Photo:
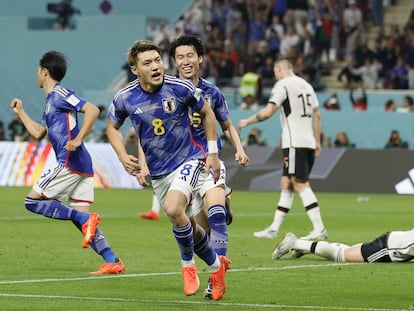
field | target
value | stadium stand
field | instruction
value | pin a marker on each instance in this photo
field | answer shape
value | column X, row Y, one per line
column 96, row 50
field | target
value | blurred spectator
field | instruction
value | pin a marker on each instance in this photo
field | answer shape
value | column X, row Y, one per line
column 409, row 25
column 17, row 130
column 387, row 56
column 257, row 29
column 254, row 138
column 289, row 39
column 407, row 104
column 353, row 25
column 195, row 19
column 266, row 73
column 377, row 10
column 390, row 106
column 398, row 76
column 273, row 41
column 215, row 42
column 249, row 103
column 280, row 8
column 161, row 35
column 363, row 52
column 2, row 131
column 237, row 32
column 332, row 103
column 359, row 103
column 158, row 33
column 65, row 12
column 219, row 11
column 352, row 80
column 409, row 59
column 226, row 69
column 311, row 72
column 259, row 56
column 300, row 8
column 395, row 141
column 276, row 26
column 233, row 55
column 342, row 140
column 369, row 73
column 324, row 32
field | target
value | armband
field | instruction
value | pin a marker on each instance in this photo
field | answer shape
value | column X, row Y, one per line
column 212, row 146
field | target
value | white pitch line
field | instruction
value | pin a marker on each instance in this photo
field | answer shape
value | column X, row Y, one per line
column 6, row 282
column 182, row 302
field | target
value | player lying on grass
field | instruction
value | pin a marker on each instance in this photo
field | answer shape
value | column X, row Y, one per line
column 392, row 246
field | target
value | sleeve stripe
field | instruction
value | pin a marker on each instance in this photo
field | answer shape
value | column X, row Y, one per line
column 127, row 88
column 186, row 83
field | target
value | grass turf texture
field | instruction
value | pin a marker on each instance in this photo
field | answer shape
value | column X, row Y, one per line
column 43, row 266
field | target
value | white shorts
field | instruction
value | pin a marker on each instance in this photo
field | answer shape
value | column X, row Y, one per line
column 187, row 178
column 198, row 205
column 60, row 183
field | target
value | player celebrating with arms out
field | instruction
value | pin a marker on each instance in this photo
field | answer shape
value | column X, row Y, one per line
column 301, row 129
column 209, row 208
column 157, row 105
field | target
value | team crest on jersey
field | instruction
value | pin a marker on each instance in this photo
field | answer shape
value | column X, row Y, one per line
column 169, row 105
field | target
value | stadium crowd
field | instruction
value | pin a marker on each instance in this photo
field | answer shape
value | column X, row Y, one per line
column 246, row 35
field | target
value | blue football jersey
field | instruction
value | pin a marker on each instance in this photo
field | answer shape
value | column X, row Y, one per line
column 162, row 122
column 215, row 99
column 61, row 119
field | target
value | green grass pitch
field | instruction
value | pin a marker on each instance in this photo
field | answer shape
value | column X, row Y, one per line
column 44, row 267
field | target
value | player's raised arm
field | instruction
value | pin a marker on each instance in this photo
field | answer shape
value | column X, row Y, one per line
column 35, row 129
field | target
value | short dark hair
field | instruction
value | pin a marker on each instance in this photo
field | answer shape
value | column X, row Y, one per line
column 141, row 46
column 192, row 40
column 55, row 62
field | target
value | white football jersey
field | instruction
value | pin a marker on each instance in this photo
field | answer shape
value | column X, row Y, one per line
column 297, row 100
column 401, row 245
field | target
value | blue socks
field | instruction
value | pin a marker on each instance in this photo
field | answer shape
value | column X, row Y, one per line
column 55, row 209
column 203, row 249
column 185, row 241
column 101, row 246
column 219, row 236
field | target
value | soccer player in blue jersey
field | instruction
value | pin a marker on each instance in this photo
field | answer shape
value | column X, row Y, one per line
column 209, row 210
column 158, row 106
column 72, row 177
